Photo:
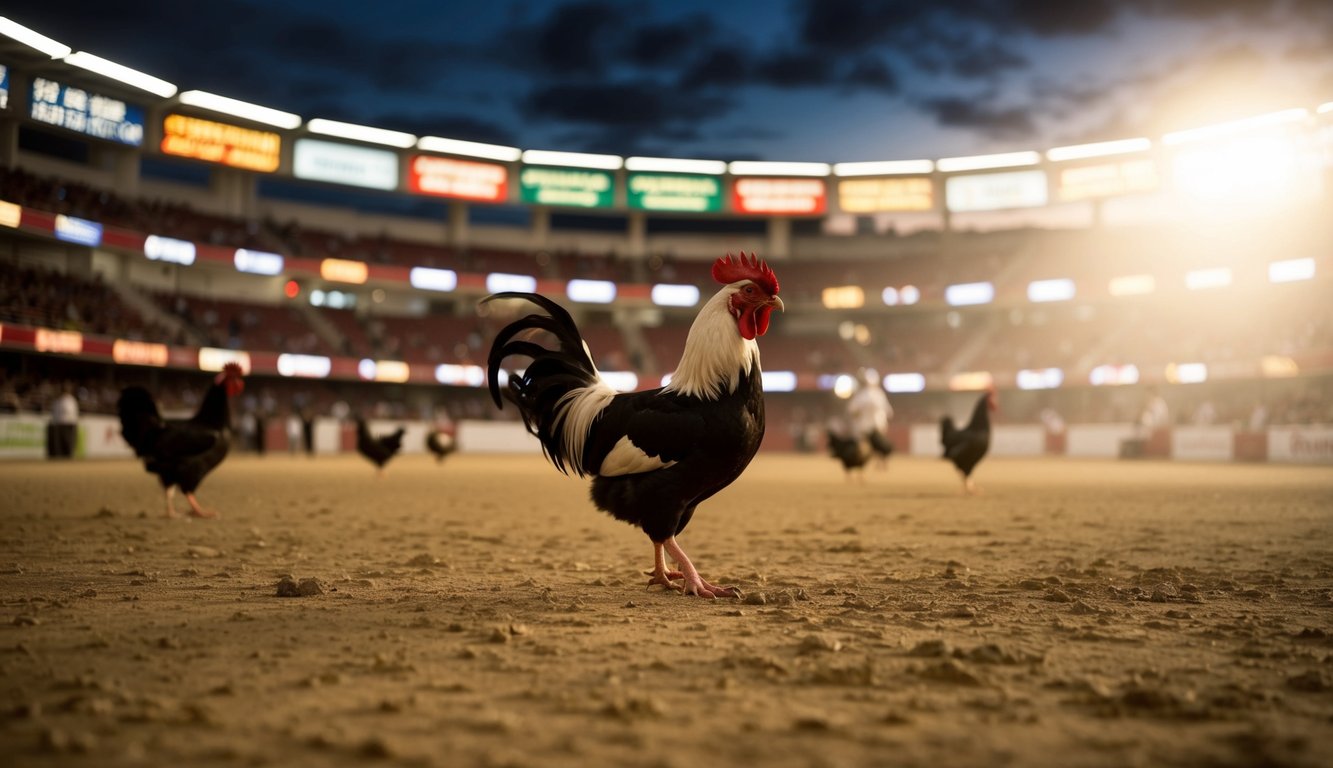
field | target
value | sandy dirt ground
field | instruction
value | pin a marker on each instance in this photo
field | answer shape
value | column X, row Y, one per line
column 482, row 613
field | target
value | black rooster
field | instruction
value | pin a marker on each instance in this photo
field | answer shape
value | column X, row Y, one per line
column 853, row 453
column 441, row 444
column 181, row 452
column 653, row 455
column 966, row 447
column 378, row 449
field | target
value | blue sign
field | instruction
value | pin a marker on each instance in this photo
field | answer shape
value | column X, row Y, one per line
column 81, row 231
column 4, row 87
column 92, row 114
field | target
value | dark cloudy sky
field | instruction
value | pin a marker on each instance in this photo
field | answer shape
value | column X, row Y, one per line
column 828, row 80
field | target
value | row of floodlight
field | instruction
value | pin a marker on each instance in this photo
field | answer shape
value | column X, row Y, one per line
column 402, row 140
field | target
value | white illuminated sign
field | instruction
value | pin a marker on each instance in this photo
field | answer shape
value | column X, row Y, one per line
column 1114, row 375
column 620, row 381
column 591, row 291
column 304, row 366
column 428, row 279
column 1040, row 378
column 345, row 164
column 460, row 375
column 214, row 358
column 779, row 381
column 169, row 249
column 1051, row 290
column 905, row 382
column 996, row 191
column 500, row 282
column 257, row 262
column 963, row 294
column 1290, row 271
column 667, row 295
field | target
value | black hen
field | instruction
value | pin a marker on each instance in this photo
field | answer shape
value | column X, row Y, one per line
column 967, row 447
column 654, row 455
column 853, row 453
column 441, row 444
column 181, row 452
column 378, row 449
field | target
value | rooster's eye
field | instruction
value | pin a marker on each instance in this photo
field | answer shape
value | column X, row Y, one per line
column 749, row 289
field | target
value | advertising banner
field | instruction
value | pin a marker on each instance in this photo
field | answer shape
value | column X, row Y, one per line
column 91, row 114
column 221, row 143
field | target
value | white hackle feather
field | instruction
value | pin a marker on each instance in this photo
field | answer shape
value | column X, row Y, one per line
column 715, row 352
column 626, row 458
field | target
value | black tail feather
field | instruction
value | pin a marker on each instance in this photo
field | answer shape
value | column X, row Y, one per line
column 140, row 421
column 551, row 374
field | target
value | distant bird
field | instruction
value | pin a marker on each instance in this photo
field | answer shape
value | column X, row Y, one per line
column 881, row 446
column 653, row 455
column 967, row 447
column 378, row 449
column 441, row 444
column 181, row 452
column 854, row 453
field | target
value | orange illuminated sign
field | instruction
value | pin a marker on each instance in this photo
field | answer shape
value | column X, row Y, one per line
column 221, row 143
column 10, row 214
column 344, row 271
column 64, row 342
column 1107, row 179
column 442, row 176
column 139, row 353
column 883, row 195
column 790, row 196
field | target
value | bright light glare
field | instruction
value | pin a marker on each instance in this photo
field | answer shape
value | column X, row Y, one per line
column 779, row 381
column 1132, row 285
column 241, row 109
column 591, row 291
column 499, row 282
column 971, row 381
column 909, row 294
column 1202, row 279
column 1099, row 149
column 1187, row 373
column 667, row 295
column 1061, row 289
column 981, row 162
column 572, row 159
column 469, row 148
column 844, row 386
column 963, row 294
column 124, row 74
column 890, row 296
column 460, row 375
column 843, row 297
column 1290, row 271
column 46, row 45
column 1218, row 130
column 1114, row 375
column 675, row 165
column 884, row 168
column 430, row 279
column 753, row 168
column 1040, row 378
column 620, row 381
column 361, row 133
column 905, row 382
column 1243, row 172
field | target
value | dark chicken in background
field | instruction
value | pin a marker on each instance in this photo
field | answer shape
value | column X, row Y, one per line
column 181, row 452
column 852, row 452
column 441, row 444
column 968, row 446
column 653, row 455
column 378, row 449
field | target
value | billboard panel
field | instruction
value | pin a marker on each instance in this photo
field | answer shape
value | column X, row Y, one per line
column 464, row 179
column 1109, row 179
column 91, row 114
column 886, row 195
column 221, row 143
column 781, row 196
column 995, row 191
column 577, row 187
column 345, row 164
column 674, row 192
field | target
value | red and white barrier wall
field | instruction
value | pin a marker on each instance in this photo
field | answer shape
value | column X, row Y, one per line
column 23, row 436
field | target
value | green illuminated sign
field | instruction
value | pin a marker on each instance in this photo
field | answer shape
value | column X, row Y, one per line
column 675, row 192
column 577, row 187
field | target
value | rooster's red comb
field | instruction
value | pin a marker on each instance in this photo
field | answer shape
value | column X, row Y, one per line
column 233, row 370
column 725, row 271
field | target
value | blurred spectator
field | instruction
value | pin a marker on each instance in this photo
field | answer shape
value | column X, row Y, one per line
column 62, row 433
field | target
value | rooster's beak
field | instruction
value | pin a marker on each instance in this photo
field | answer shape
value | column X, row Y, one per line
column 776, row 301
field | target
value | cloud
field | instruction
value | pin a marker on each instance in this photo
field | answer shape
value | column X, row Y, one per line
column 976, row 115
column 624, row 114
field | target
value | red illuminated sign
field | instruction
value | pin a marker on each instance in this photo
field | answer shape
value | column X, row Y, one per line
column 445, row 177
column 783, row 196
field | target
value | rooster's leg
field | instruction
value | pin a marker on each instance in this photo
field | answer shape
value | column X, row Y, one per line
column 660, row 574
column 195, row 509
column 694, row 583
column 969, row 487
column 171, row 508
